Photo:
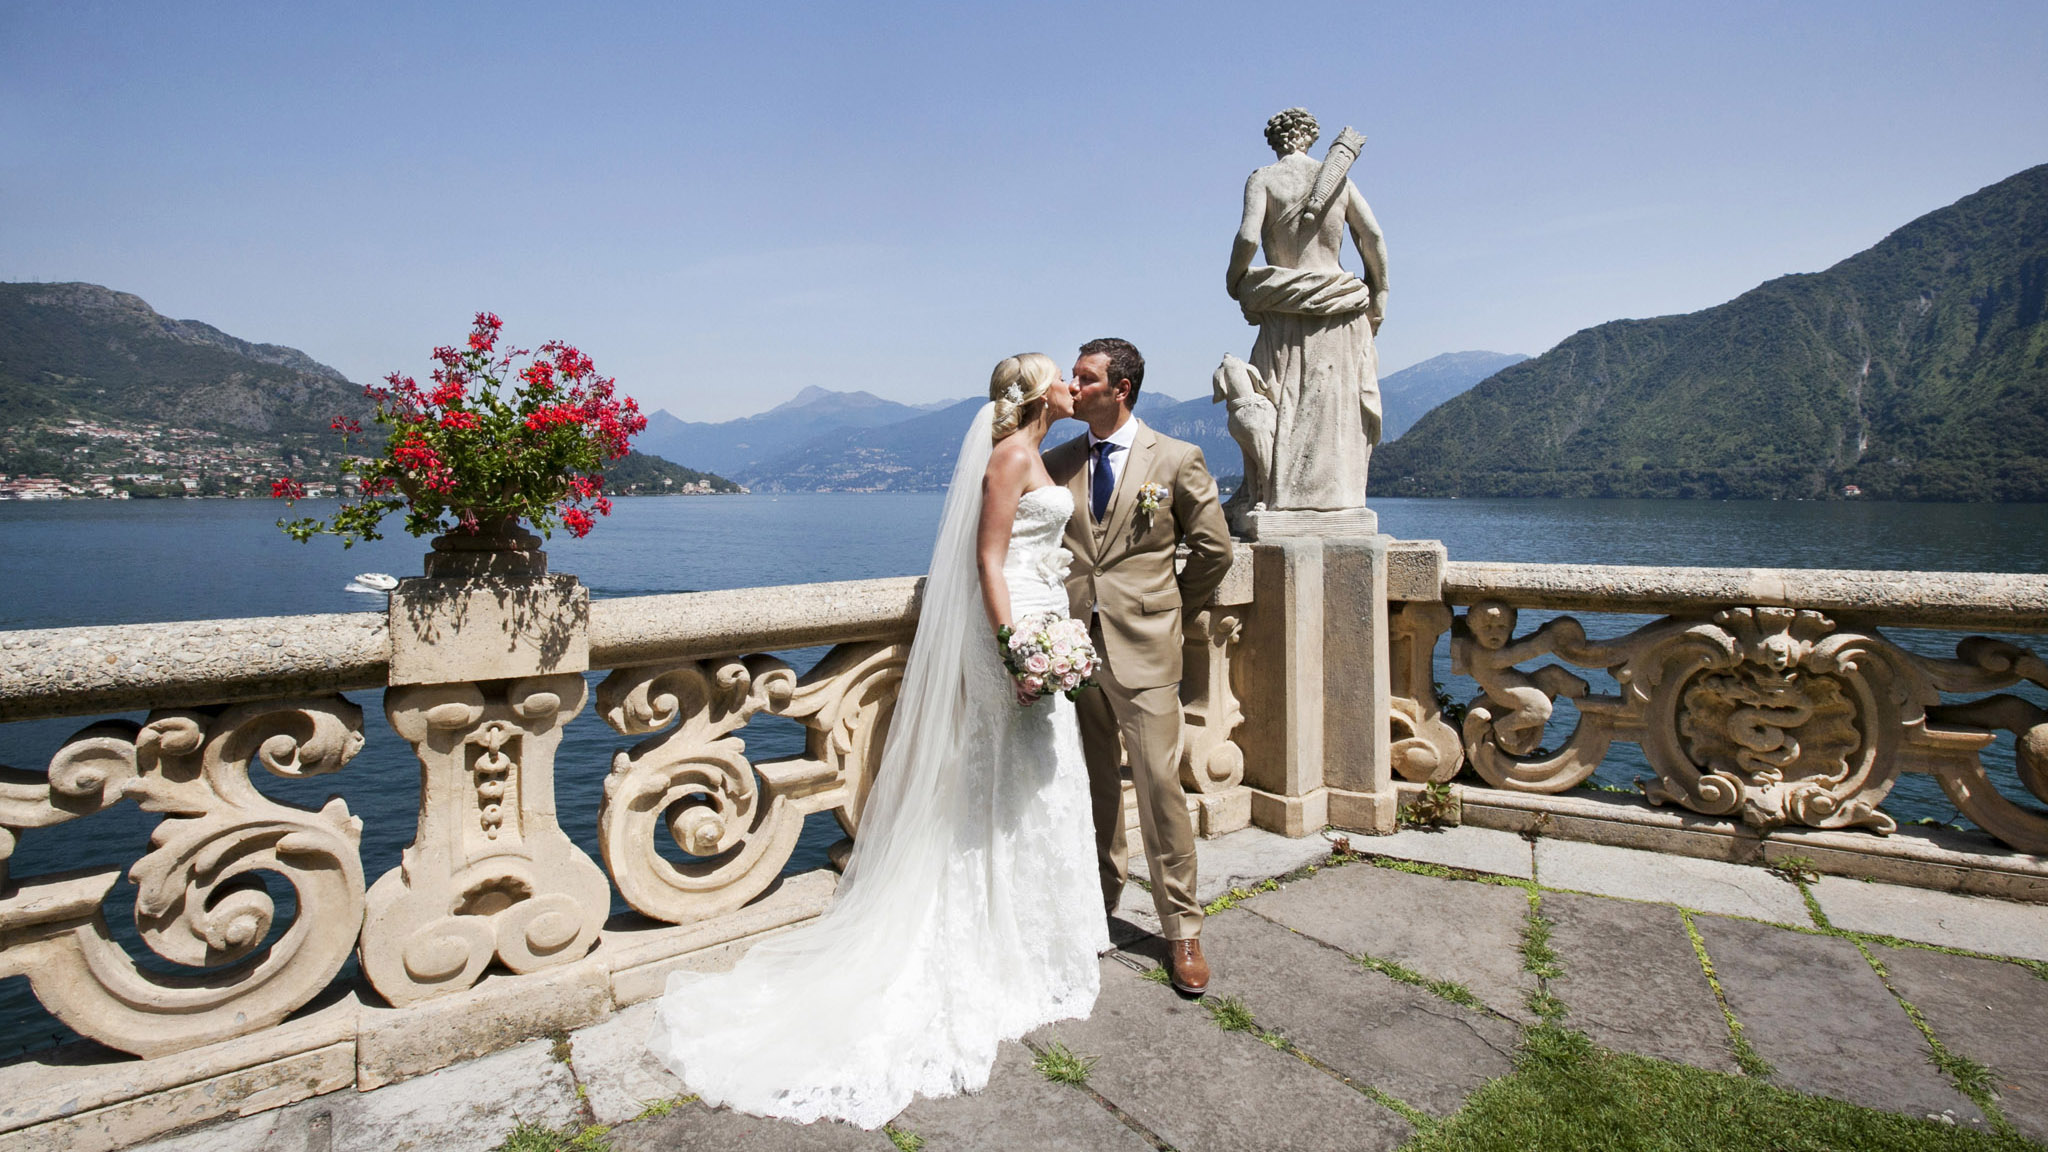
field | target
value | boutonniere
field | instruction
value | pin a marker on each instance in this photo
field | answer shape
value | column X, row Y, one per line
column 1150, row 497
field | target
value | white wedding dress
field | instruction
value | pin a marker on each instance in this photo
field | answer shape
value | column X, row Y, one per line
column 970, row 912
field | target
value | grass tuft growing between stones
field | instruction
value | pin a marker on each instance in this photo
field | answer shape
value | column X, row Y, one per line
column 1230, row 1013
column 1446, row 872
column 1157, row 975
column 1798, row 870
column 664, row 1106
column 903, row 1138
column 1450, row 990
column 1746, row 1057
column 1057, row 1063
column 1232, row 898
column 1537, row 954
column 1568, row 1094
column 527, row 1136
column 1545, row 1006
column 1422, row 1120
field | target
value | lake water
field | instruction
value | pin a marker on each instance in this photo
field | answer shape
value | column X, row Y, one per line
column 74, row 563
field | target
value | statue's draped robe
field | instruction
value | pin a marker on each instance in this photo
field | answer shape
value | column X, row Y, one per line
column 1315, row 353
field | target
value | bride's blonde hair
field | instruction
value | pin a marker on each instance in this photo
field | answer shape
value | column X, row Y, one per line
column 1017, row 384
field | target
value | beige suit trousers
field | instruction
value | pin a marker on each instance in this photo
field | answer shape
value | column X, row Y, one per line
column 1149, row 720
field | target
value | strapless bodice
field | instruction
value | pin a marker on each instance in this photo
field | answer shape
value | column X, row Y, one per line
column 1036, row 563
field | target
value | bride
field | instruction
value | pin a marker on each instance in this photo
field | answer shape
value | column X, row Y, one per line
column 970, row 912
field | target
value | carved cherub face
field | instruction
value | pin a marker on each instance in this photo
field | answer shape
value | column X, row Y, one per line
column 1492, row 624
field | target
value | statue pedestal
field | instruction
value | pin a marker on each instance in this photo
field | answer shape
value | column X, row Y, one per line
column 1287, row 524
column 1316, row 683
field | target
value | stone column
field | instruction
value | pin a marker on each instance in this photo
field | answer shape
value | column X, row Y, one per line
column 1316, row 685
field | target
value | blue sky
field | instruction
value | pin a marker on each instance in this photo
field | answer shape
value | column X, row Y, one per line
column 725, row 204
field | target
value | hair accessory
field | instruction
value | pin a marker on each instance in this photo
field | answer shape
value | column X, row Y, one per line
column 1013, row 394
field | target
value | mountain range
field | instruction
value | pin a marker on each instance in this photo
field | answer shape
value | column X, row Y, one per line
column 1916, row 369
column 853, row 441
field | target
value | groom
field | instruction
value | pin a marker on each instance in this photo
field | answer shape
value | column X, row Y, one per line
column 1138, row 495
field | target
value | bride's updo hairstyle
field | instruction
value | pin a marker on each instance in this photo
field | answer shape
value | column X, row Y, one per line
column 1018, row 386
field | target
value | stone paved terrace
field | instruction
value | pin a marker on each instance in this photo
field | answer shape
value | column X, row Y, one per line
column 1818, row 974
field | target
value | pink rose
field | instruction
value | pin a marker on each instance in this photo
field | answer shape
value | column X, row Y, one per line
column 1037, row 663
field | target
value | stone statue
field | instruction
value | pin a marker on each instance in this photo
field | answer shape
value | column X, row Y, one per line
column 1307, row 447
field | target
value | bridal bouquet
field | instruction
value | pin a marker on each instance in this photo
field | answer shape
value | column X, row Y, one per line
column 1047, row 652
column 485, row 443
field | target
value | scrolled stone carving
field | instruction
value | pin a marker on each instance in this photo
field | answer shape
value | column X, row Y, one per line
column 1951, row 742
column 490, row 874
column 846, row 702
column 1775, row 715
column 736, row 820
column 695, row 780
column 1210, row 761
column 1504, row 726
column 199, row 901
column 1424, row 747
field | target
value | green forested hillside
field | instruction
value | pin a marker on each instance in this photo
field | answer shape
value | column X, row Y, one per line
column 1915, row 370
column 85, row 352
column 638, row 474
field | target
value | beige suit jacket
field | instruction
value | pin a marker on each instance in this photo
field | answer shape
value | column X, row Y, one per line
column 1125, row 564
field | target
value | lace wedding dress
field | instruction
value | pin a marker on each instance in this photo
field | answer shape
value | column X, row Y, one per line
column 970, row 912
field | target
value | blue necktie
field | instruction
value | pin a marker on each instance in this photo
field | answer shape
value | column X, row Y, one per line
column 1105, row 480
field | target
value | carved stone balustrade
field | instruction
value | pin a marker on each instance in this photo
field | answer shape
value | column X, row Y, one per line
column 1772, row 697
column 1768, row 703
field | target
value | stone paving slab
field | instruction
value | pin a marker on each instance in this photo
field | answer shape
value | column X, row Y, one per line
column 1246, row 857
column 1978, row 923
column 1445, row 929
column 1812, row 1006
column 1633, row 874
column 1633, row 983
column 693, row 1126
column 1201, row 1089
column 1395, row 1037
column 617, row 1069
column 1990, row 1011
column 1019, row 1108
column 1465, row 846
column 468, row 1107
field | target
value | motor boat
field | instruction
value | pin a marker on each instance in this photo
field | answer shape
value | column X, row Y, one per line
column 372, row 582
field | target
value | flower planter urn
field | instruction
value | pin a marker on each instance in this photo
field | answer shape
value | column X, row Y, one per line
column 488, row 610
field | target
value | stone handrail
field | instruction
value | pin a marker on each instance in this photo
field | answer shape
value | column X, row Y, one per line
column 1767, row 696
column 97, row 670
column 1996, row 602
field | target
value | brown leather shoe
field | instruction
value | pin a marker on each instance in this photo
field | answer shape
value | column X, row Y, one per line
column 1189, row 972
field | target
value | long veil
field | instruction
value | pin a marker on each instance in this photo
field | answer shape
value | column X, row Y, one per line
column 842, row 1016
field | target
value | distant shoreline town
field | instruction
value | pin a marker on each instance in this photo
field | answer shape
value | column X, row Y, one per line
column 146, row 461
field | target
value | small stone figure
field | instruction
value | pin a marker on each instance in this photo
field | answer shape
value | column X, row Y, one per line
column 1518, row 702
column 1252, row 424
column 1314, row 360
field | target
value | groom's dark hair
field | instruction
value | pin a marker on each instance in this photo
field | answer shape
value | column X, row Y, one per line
column 1124, row 362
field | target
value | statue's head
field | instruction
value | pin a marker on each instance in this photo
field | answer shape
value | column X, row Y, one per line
column 1292, row 131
